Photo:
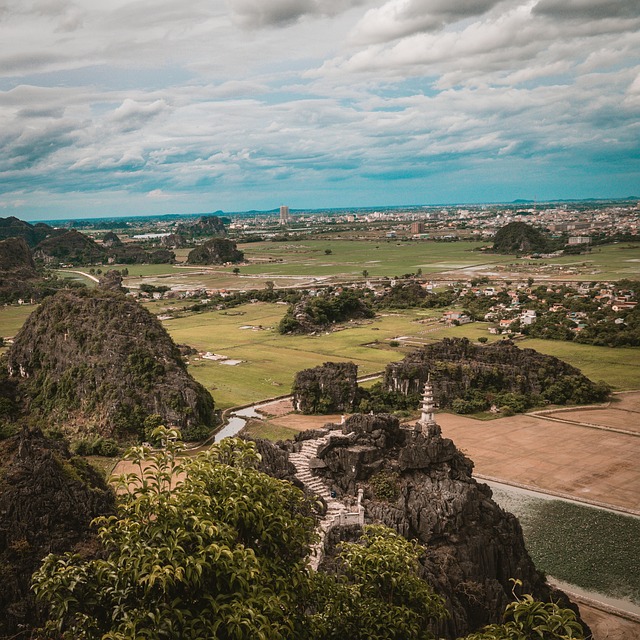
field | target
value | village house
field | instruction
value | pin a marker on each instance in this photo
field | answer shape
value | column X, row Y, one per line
column 451, row 318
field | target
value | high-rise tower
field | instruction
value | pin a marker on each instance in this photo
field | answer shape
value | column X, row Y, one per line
column 284, row 215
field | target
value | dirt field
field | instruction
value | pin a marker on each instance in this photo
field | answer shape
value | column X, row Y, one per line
column 606, row 626
column 592, row 464
column 622, row 413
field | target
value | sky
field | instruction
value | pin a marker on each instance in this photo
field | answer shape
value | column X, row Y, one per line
column 139, row 107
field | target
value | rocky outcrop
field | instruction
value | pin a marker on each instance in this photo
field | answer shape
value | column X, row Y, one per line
column 520, row 237
column 47, row 501
column 174, row 241
column 420, row 484
column 16, row 260
column 135, row 254
column 216, row 251
column 70, row 247
column 205, row 226
column 460, row 366
column 321, row 312
column 97, row 363
column 12, row 227
column 111, row 281
column 330, row 388
column 111, row 240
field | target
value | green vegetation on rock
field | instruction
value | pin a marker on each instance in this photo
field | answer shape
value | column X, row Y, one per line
column 520, row 237
column 97, row 364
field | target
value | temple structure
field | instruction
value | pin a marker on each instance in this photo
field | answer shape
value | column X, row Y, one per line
column 427, row 419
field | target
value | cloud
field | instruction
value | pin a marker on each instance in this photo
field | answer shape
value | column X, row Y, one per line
column 254, row 14
column 398, row 18
column 132, row 115
column 588, row 9
column 171, row 101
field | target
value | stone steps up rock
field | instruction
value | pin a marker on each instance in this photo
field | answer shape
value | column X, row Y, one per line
column 300, row 460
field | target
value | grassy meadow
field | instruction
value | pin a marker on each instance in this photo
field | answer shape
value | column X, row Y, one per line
column 304, row 262
column 269, row 361
column 13, row 317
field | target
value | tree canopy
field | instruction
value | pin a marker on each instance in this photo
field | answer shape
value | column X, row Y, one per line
column 210, row 547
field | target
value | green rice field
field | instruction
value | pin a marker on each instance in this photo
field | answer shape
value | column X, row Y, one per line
column 12, row 317
column 584, row 546
column 304, row 262
column 269, row 361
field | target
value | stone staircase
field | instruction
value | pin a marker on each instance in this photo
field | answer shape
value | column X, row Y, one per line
column 334, row 507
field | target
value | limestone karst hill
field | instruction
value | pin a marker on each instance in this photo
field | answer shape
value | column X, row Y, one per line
column 16, row 259
column 460, row 366
column 329, row 388
column 520, row 237
column 19, row 277
column 70, row 247
column 12, row 227
column 215, row 251
column 47, row 501
column 96, row 363
column 419, row 484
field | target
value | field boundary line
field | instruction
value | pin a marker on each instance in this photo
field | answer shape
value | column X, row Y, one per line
column 562, row 496
column 596, row 604
column 587, row 425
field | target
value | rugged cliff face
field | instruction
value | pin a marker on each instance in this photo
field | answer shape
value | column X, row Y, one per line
column 19, row 278
column 111, row 240
column 215, row 251
column 16, row 259
column 322, row 312
column 331, row 388
column 421, row 486
column 47, row 500
column 97, row 363
column 460, row 366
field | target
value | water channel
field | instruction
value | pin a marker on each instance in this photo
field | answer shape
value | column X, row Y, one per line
column 237, row 420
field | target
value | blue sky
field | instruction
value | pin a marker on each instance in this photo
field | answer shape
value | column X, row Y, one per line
column 157, row 106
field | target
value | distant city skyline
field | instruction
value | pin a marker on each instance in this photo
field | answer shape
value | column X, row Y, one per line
column 139, row 108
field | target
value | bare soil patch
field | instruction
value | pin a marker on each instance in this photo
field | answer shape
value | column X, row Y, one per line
column 614, row 417
column 561, row 458
column 302, row 423
column 606, row 626
column 276, row 409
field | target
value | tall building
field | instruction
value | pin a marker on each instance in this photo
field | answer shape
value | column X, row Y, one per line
column 417, row 227
column 284, row 214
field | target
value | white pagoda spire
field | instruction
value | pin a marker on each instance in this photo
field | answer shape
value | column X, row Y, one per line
column 427, row 418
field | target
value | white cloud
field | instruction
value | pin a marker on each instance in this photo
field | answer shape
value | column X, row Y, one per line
column 398, row 18
column 255, row 14
column 171, row 97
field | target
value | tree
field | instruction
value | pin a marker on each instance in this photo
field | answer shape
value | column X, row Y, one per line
column 378, row 593
column 526, row 618
column 236, row 270
column 219, row 552
column 327, row 252
column 365, row 273
column 210, row 547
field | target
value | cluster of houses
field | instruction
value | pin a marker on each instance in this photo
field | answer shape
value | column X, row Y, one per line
column 528, row 304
